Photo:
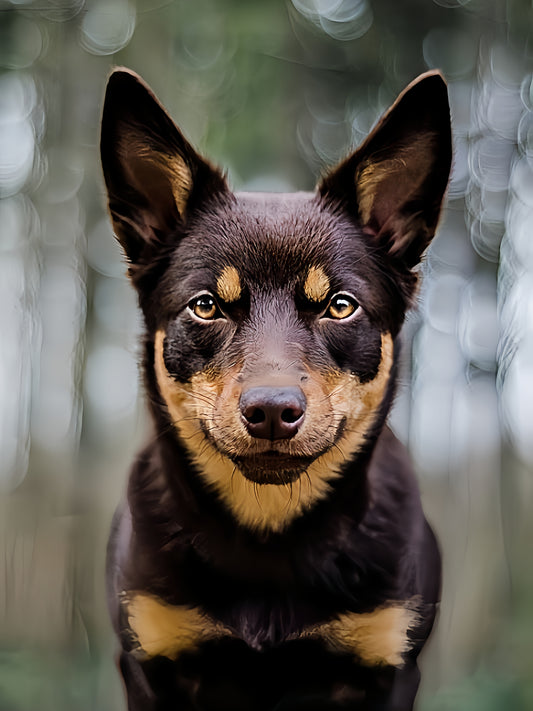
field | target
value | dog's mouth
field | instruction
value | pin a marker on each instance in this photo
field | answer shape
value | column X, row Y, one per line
column 273, row 464
column 272, row 467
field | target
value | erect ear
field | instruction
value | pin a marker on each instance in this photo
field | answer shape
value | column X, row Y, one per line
column 395, row 181
column 153, row 176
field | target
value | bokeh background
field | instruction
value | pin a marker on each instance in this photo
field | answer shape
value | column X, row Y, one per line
column 273, row 91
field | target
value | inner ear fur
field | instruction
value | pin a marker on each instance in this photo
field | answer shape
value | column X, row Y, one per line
column 153, row 175
column 394, row 183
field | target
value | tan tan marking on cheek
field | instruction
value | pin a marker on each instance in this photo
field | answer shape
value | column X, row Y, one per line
column 372, row 392
column 186, row 402
column 376, row 638
column 166, row 630
column 316, row 285
column 229, row 285
column 360, row 402
column 174, row 394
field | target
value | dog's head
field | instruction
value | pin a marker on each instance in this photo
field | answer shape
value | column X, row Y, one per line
column 271, row 318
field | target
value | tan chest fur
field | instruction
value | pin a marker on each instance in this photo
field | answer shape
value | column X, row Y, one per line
column 374, row 638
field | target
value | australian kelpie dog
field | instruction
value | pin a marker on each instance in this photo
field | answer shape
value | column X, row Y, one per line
column 272, row 553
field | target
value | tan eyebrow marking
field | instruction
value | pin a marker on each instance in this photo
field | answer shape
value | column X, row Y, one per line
column 316, row 285
column 229, row 285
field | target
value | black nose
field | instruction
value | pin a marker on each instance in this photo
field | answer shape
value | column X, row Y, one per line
column 273, row 413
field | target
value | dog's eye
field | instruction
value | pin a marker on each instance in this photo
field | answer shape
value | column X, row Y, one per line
column 204, row 307
column 341, row 307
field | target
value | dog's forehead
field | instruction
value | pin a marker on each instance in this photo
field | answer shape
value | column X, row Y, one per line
column 269, row 236
column 272, row 222
column 279, row 206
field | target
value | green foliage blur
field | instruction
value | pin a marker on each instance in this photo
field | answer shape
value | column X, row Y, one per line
column 273, row 92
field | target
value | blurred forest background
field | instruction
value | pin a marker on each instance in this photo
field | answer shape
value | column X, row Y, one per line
column 273, row 91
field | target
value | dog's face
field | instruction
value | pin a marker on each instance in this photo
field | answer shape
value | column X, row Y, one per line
column 273, row 354
column 271, row 318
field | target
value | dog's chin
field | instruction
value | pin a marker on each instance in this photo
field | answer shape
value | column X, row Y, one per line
column 272, row 467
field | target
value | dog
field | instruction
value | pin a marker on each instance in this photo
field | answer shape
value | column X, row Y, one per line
column 272, row 552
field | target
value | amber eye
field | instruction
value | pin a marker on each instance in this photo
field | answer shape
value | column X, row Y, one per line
column 204, row 307
column 341, row 307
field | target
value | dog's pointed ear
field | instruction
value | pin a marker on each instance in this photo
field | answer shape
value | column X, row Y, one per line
column 395, row 181
column 153, row 176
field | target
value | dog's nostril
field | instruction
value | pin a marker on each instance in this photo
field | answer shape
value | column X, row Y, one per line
column 254, row 415
column 291, row 415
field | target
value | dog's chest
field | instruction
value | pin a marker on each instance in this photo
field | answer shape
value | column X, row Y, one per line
column 266, row 624
column 376, row 638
